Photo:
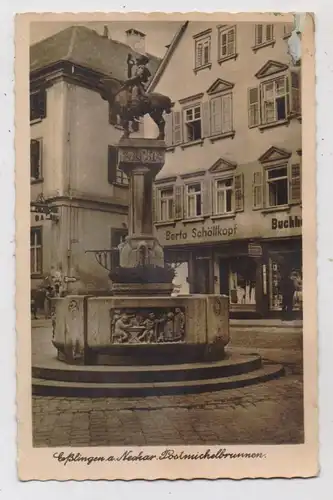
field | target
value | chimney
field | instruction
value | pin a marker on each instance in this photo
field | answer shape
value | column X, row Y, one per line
column 136, row 40
column 106, row 32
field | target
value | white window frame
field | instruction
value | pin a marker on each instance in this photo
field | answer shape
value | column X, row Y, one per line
column 34, row 247
column 273, row 99
column 264, row 40
column 193, row 195
column 217, row 190
column 40, row 160
column 186, row 122
column 170, row 216
column 225, row 31
column 268, row 181
column 203, row 42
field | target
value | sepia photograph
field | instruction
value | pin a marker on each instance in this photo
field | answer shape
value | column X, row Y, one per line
column 166, row 235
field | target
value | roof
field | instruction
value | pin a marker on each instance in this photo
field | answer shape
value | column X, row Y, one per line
column 85, row 47
column 171, row 48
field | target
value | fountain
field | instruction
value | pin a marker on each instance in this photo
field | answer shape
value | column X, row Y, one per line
column 141, row 340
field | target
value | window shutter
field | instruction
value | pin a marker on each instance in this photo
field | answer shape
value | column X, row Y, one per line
column 216, row 115
column 295, row 190
column 295, row 92
column 168, row 129
column 254, row 106
column 206, row 197
column 205, row 119
column 226, row 113
column 257, row 191
column 258, row 36
column 179, row 202
column 155, row 205
column 198, row 61
column 35, row 155
column 42, row 103
column 239, row 192
column 177, row 127
column 269, row 32
column 112, row 164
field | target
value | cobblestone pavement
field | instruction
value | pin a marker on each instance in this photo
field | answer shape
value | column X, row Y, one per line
column 269, row 413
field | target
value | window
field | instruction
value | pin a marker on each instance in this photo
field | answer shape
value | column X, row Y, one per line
column 202, row 52
column 36, row 251
column 193, row 200
column 221, row 114
column 115, row 175
column 287, row 30
column 263, row 34
column 166, row 204
column 277, row 186
column 224, row 196
column 275, row 100
column 192, row 123
column 38, row 105
column 36, row 159
column 227, row 43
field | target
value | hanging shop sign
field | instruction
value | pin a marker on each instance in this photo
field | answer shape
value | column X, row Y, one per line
column 254, row 250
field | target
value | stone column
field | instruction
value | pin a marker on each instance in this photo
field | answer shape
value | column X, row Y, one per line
column 141, row 160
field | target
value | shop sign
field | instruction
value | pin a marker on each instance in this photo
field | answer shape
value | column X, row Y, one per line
column 215, row 231
column 254, row 250
column 287, row 223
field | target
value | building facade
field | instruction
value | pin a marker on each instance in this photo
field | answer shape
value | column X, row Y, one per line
column 73, row 157
column 228, row 200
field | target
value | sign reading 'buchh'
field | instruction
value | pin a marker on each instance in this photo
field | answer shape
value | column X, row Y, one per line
column 142, row 156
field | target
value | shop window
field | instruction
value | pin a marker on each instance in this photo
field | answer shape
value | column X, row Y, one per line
column 285, row 277
column 36, row 148
column 181, row 279
column 118, row 236
column 193, row 200
column 166, row 204
column 192, row 123
column 238, row 280
column 227, row 42
column 36, row 251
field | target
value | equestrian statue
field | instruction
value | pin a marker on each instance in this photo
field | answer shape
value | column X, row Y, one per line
column 130, row 101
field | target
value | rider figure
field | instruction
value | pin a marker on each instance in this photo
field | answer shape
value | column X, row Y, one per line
column 141, row 77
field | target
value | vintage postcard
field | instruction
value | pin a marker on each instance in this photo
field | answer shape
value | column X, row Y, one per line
column 166, row 317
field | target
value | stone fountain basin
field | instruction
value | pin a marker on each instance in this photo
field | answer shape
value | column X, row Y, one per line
column 140, row 330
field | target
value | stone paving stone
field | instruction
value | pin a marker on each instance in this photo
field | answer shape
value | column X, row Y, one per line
column 264, row 413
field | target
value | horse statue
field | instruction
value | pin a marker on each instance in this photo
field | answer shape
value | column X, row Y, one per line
column 130, row 108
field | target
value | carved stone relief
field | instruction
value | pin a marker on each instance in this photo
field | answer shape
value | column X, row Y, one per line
column 147, row 326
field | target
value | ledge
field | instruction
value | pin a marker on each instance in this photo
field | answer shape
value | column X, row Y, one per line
column 191, row 175
column 281, row 208
column 271, row 43
column 223, row 216
column 171, row 148
column 165, row 223
column 36, row 120
column 286, row 36
column 192, row 143
column 37, row 181
column 221, row 60
column 222, row 136
column 273, row 124
column 118, row 184
column 205, row 66
column 193, row 219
